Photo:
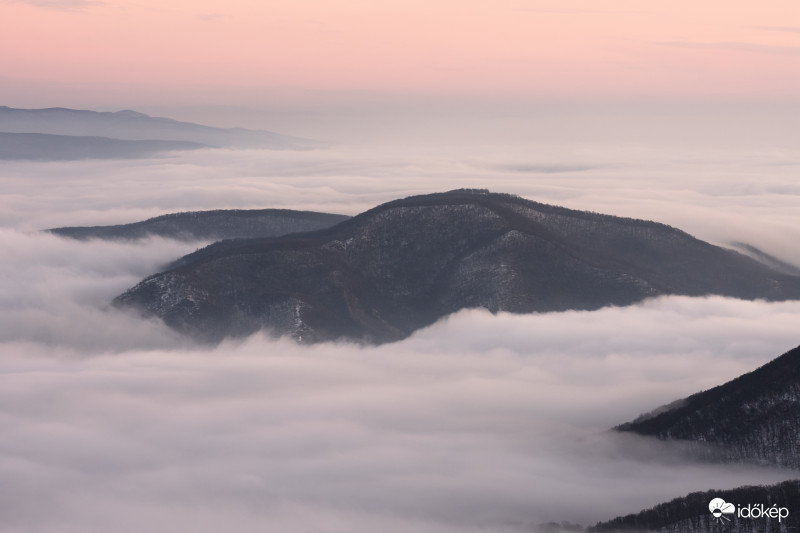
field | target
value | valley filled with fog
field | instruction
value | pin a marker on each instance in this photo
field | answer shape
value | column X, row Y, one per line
column 479, row 421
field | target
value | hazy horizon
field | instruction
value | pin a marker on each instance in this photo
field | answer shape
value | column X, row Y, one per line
column 334, row 69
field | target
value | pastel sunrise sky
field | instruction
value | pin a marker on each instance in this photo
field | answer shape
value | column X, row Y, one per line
column 539, row 48
column 685, row 112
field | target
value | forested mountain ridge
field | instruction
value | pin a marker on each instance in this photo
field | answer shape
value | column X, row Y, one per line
column 753, row 418
column 212, row 225
column 385, row 273
column 691, row 513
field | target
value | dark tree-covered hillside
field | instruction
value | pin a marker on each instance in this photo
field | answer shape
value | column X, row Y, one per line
column 690, row 514
column 753, row 418
column 210, row 225
column 385, row 273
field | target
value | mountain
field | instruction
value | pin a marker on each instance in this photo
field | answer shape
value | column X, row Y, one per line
column 401, row 266
column 46, row 147
column 210, row 225
column 753, row 418
column 133, row 126
column 691, row 513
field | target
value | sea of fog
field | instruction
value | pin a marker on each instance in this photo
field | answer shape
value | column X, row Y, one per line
column 477, row 423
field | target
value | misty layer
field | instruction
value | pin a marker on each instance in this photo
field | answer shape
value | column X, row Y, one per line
column 110, row 423
column 409, row 438
column 55, row 291
column 720, row 196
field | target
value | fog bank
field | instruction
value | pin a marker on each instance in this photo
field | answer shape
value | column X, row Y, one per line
column 110, row 423
column 113, row 423
column 749, row 194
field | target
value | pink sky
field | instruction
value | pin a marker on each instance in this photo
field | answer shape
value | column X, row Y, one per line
column 580, row 48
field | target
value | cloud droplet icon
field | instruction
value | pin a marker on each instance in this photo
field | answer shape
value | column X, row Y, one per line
column 720, row 507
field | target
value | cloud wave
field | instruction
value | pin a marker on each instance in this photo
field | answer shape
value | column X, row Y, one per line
column 110, row 423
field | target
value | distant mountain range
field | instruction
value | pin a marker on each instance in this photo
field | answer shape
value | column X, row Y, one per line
column 385, row 273
column 46, row 147
column 753, row 418
column 210, row 225
column 62, row 134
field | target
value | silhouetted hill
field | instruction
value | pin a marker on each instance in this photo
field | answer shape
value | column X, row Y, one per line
column 753, row 418
column 130, row 125
column 691, row 514
column 210, row 225
column 45, row 147
column 401, row 266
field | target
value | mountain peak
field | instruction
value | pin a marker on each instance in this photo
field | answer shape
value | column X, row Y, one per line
column 400, row 266
column 128, row 113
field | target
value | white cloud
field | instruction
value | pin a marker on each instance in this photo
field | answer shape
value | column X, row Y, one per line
column 56, row 291
column 717, row 194
column 480, row 422
column 437, row 433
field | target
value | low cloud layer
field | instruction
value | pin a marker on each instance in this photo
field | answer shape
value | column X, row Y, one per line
column 112, row 423
column 479, row 422
column 57, row 291
column 718, row 194
column 433, row 434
